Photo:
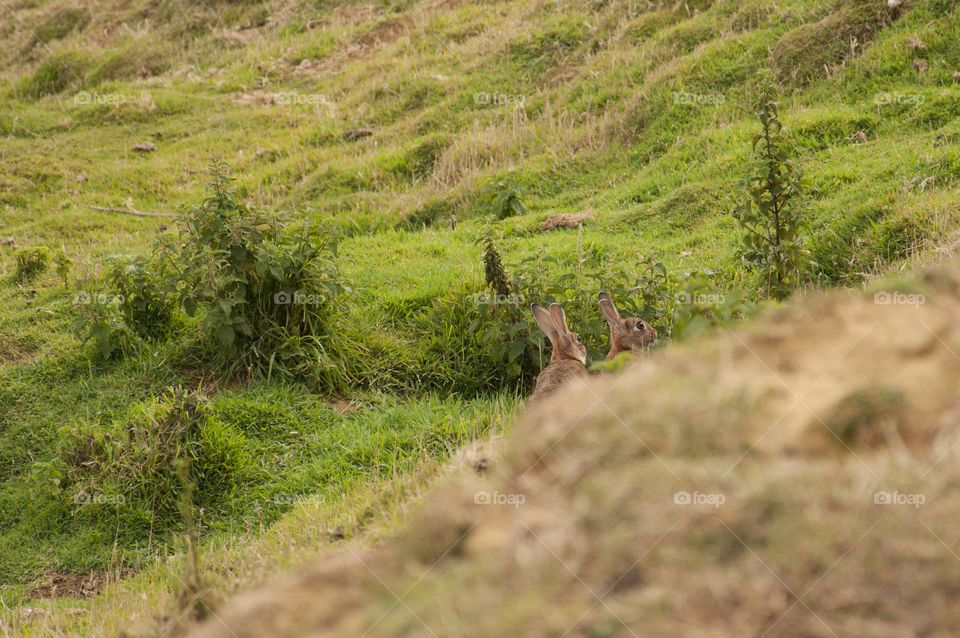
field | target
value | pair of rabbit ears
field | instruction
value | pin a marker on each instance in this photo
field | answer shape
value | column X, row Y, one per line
column 552, row 322
column 608, row 309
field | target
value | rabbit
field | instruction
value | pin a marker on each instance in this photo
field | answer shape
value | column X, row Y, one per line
column 569, row 357
column 631, row 335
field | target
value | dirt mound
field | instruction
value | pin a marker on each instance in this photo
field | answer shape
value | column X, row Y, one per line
column 796, row 478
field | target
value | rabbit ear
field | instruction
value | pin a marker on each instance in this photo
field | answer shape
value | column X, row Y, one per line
column 544, row 320
column 559, row 318
column 608, row 309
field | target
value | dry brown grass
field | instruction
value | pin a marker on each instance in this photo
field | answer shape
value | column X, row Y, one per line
column 565, row 220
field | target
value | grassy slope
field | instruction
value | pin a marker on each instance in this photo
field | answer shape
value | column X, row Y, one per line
column 787, row 439
column 600, row 128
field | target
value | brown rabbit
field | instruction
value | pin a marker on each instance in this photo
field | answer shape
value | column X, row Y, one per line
column 626, row 335
column 569, row 356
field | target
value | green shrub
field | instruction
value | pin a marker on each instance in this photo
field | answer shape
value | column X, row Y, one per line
column 701, row 305
column 503, row 197
column 770, row 215
column 146, row 303
column 495, row 324
column 32, row 261
column 265, row 291
column 98, row 318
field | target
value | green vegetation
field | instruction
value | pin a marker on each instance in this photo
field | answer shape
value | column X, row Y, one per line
column 32, row 261
column 391, row 165
column 504, row 198
column 770, row 216
column 265, row 290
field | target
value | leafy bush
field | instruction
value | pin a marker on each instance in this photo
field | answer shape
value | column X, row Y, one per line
column 504, row 198
column 32, row 261
column 147, row 306
column 770, row 216
column 701, row 304
column 265, row 291
column 98, row 318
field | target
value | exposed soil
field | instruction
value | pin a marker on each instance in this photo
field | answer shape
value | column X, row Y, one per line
column 67, row 585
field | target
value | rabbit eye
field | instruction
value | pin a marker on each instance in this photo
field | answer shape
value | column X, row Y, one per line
column 579, row 340
column 639, row 325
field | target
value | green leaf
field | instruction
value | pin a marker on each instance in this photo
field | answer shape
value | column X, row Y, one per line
column 516, row 349
column 225, row 334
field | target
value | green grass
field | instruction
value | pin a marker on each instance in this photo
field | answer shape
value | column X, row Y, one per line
column 594, row 114
column 267, row 448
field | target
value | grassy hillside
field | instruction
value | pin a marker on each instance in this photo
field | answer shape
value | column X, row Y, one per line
column 392, row 127
column 809, row 490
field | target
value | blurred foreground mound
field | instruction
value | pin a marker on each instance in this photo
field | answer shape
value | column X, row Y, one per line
column 796, row 478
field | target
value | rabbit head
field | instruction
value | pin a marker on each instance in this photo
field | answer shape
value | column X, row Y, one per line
column 631, row 334
column 567, row 345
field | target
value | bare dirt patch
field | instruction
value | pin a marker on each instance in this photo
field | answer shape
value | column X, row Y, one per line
column 67, row 585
